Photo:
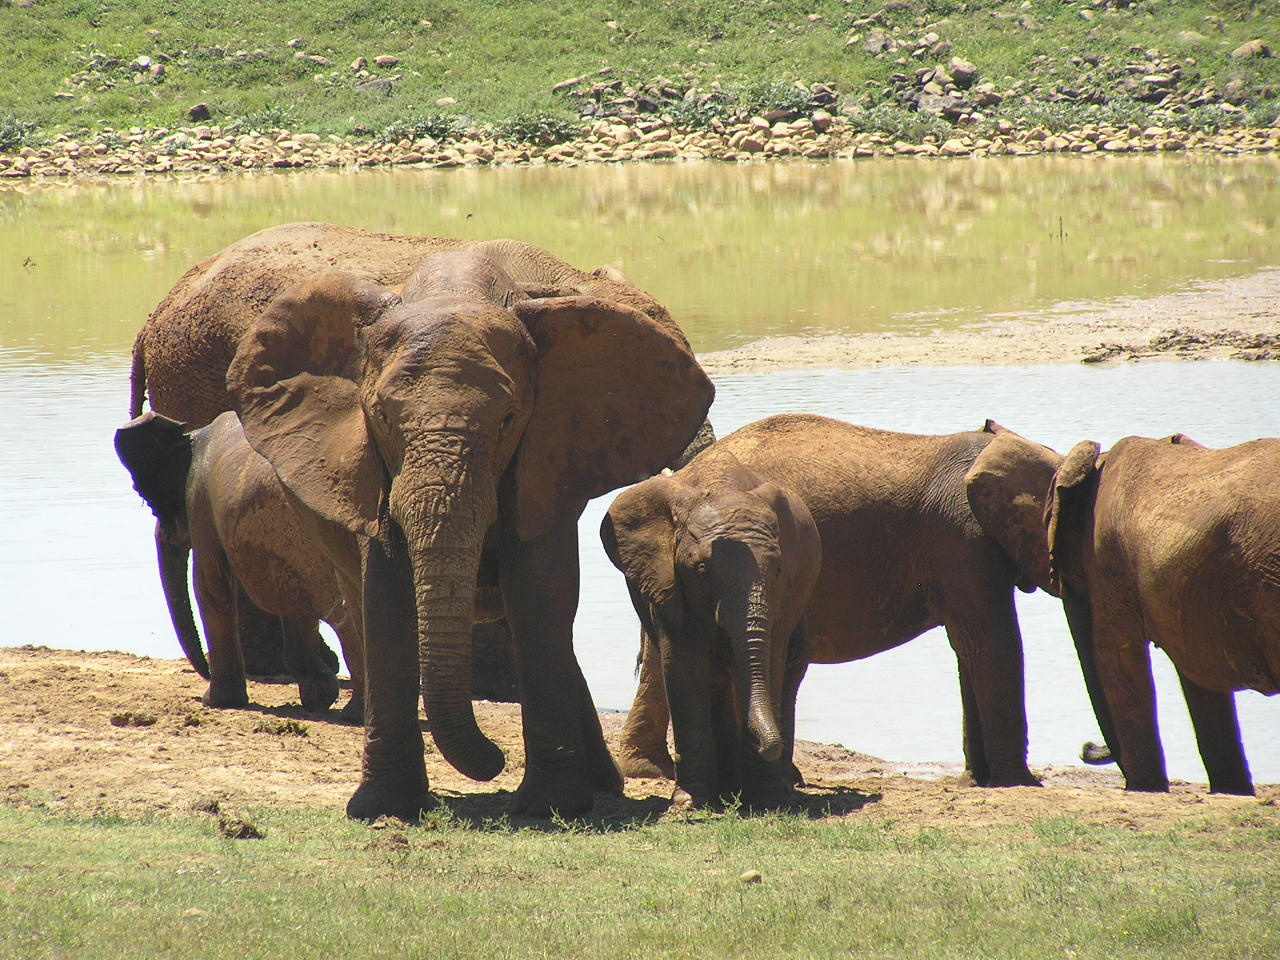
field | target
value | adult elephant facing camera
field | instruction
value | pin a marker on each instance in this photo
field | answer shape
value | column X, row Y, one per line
column 445, row 440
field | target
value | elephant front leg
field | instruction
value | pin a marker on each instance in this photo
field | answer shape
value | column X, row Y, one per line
column 643, row 752
column 686, row 671
column 988, row 645
column 1123, row 661
column 1217, row 727
column 566, row 760
column 215, row 589
column 394, row 774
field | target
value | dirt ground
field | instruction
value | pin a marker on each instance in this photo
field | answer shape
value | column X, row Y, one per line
column 1236, row 319
column 115, row 732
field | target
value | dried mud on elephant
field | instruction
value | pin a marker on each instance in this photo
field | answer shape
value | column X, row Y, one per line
column 95, row 732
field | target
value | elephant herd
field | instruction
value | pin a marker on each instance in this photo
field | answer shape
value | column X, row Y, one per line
column 398, row 435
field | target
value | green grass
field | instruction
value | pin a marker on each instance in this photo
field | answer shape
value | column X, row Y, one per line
column 499, row 58
column 459, row 886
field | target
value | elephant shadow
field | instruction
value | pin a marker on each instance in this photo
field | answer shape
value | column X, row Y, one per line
column 491, row 813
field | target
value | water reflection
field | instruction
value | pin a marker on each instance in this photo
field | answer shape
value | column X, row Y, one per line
column 737, row 251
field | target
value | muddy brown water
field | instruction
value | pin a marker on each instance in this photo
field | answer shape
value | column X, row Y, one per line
column 737, row 252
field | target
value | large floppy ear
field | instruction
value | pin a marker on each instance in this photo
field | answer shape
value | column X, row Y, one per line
column 638, row 534
column 295, row 382
column 1067, row 510
column 157, row 453
column 1007, row 487
column 618, row 397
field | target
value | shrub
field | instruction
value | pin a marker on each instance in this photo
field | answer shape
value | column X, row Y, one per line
column 270, row 118
column 437, row 126
column 538, row 130
column 899, row 123
column 15, row 133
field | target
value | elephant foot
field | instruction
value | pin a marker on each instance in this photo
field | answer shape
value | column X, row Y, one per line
column 318, row 692
column 1096, row 754
column 1021, row 777
column 1232, row 787
column 353, row 712
column 564, row 792
column 773, row 794
column 646, row 763
column 404, row 798
column 226, row 695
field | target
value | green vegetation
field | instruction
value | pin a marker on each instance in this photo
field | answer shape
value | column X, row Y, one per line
column 313, row 884
column 75, row 65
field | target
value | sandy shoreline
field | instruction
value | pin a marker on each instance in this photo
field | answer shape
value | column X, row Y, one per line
column 1237, row 318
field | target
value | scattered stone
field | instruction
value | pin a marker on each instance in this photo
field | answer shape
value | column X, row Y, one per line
column 751, row 876
column 386, row 60
column 199, row 112
column 1254, row 48
column 358, row 64
column 446, row 102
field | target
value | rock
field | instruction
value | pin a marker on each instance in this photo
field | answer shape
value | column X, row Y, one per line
column 962, row 72
column 752, row 144
column 386, row 60
column 446, row 102
column 1254, row 48
column 295, row 43
column 320, row 61
column 821, row 120
column 751, row 876
column 956, row 148
column 380, row 86
column 358, row 64
column 879, row 41
column 199, row 112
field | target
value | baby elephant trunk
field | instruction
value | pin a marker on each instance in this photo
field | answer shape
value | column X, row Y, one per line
column 751, row 656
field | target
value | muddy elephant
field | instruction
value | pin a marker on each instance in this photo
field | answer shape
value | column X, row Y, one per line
column 720, row 563
column 445, row 439
column 1170, row 543
column 212, row 494
column 916, row 532
column 181, row 354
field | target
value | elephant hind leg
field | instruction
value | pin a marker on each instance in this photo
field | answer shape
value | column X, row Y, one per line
column 304, row 651
column 975, row 749
column 1217, row 727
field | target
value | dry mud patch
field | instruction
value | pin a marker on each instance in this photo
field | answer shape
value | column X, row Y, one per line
column 95, row 732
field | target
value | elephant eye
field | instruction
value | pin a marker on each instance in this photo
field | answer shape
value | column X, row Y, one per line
column 506, row 422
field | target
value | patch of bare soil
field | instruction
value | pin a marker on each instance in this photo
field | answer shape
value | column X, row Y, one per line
column 1229, row 319
column 111, row 731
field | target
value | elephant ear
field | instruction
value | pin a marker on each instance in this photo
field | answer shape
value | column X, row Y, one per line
column 157, row 453
column 617, row 398
column 294, row 380
column 1065, row 512
column 1007, row 487
column 638, row 534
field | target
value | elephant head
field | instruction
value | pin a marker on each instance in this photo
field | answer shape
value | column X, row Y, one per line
column 715, row 554
column 157, row 453
column 456, row 413
column 1006, row 487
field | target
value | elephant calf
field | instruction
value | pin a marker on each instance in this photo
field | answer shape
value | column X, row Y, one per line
column 212, row 495
column 720, row 563
column 1168, row 542
column 916, row 532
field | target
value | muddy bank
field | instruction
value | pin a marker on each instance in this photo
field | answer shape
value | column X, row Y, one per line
column 115, row 732
column 1235, row 319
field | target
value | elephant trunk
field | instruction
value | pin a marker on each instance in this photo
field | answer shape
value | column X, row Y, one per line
column 172, row 559
column 751, row 655
column 444, row 516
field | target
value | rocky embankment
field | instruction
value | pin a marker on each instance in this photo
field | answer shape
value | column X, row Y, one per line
column 818, row 136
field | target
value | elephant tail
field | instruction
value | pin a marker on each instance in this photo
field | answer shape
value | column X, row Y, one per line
column 138, row 375
column 172, row 558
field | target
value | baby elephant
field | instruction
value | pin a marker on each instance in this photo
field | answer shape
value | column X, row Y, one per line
column 720, row 564
column 214, row 496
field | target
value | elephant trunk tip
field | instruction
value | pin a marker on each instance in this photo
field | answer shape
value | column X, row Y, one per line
column 770, row 750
